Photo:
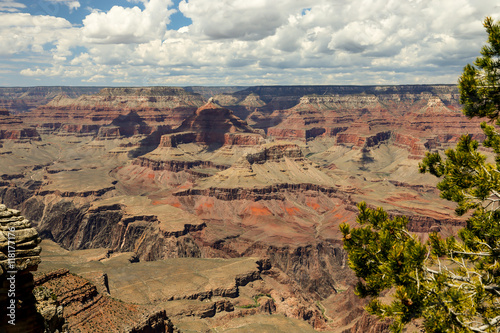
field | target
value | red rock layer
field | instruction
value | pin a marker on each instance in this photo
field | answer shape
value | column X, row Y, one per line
column 13, row 128
column 212, row 124
column 417, row 123
column 176, row 165
column 86, row 310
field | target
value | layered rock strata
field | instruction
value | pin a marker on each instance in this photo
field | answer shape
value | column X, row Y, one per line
column 212, row 124
column 360, row 121
column 351, row 115
column 19, row 256
column 13, row 128
column 118, row 111
column 86, row 310
column 210, row 127
column 24, row 99
column 278, row 201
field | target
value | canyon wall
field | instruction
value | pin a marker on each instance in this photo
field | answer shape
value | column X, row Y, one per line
column 269, row 173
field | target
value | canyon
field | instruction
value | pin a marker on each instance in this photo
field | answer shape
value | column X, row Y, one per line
column 205, row 209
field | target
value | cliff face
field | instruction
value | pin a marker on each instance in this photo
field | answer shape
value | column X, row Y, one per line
column 212, row 124
column 119, row 111
column 159, row 174
column 356, row 120
column 352, row 114
column 273, row 98
column 13, row 128
column 87, row 310
column 24, row 99
column 211, row 127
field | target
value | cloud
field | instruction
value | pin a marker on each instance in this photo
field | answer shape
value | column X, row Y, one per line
column 21, row 32
column 247, row 20
column 128, row 25
column 11, row 6
column 72, row 4
column 257, row 42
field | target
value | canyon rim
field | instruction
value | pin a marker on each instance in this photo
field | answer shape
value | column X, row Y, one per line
column 198, row 209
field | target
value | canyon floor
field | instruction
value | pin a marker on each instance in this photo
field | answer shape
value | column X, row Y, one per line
column 219, row 211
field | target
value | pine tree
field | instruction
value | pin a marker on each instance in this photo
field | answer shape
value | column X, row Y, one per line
column 452, row 283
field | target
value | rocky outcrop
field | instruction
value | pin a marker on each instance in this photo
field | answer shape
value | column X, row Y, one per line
column 211, row 123
column 13, row 128
column 172, row 140
column 86, row 310
column 210, row 127
column 413, row 145
column 243, row 139
column 50, row 309
column 176, row 165
column 19, row 256
column 122, row 111
column 113, row 226
column 354, row 115
column 271, row 192
column 369, row 324
column 274, row 152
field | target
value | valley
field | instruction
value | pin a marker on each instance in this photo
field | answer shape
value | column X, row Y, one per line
column 212, row 209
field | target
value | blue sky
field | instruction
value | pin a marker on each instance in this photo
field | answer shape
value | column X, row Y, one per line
column 76, row 11
column 238, row 42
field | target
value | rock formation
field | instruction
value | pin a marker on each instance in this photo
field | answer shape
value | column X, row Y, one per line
column 263, row 176
column 19, row 256
column 120, row 111
column 356, row 120
column 24, row 99
column 86, row 310
column 212, row 124
column 210, row 127
column 13, row 128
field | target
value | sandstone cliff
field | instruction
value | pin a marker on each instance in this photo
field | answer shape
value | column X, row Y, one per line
column 211, row 127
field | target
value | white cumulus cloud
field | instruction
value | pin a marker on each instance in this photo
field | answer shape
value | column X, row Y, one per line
column 242, row 19
column 128, row 25
column 256, row 42
column 20, row 32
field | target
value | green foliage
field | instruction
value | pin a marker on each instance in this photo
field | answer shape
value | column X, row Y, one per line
column 479, row 85
column 452, row 283
column 255, row 301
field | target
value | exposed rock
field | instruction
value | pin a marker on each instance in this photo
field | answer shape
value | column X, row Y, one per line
column 85, row 310
column 212, row 123
column 269, row 172
column 146, row 175
column 210, row 126
column 13, row 128
column 23, row 99
column 50, row 310
column 19, row 255
column 122, row 111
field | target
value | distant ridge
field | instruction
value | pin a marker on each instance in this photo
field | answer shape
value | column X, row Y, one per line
column 349, row 89
column 24, row 99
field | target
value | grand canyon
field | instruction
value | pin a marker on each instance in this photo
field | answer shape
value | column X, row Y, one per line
column 210, row 209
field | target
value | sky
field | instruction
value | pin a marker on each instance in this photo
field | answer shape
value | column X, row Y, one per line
column 239, row 42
